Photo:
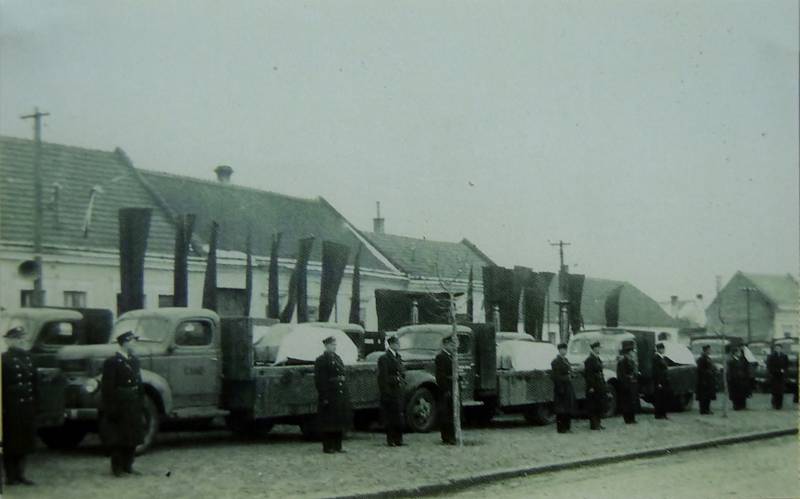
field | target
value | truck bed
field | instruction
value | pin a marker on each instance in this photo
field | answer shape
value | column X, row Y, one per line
column 518, row 388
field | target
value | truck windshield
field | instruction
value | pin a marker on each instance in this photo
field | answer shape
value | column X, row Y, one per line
column 148, row 329
column 609, row 347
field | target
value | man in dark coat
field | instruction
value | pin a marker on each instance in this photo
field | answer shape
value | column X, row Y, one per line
column 662, row 392
column 777, row 367
column 19, row 407
column 444, row 380
column 333, row 400
column 391, row 383
column 706, row 380
column 122, row 419
column 738, row 377
column 595, row 387
column 563, row 391
column 628, row 379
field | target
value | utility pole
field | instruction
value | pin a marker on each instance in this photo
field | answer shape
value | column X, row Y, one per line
column 38, row 287
column 747, row 291
column 563, row 319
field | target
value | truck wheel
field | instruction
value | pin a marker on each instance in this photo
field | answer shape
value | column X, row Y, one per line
column 152, row 419
column 611, row 401
column 310, row 429
column 540, row 414
column 421, row 410
column 68, row 436
column 684, row 402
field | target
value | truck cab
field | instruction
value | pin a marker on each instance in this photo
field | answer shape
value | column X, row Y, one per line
column 179, row 353
column 48, row 330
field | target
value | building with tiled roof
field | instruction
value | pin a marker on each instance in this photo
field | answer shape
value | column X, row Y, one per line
column 774, row 307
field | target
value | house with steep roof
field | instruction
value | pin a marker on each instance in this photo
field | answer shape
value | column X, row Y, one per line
column 636, row 309
column 435, row 266
column 689, row 312
column 757, row 307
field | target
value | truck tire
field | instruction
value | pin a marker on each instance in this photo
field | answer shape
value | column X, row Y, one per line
column 684, row 402
column 540, row 414
column 67, row 436
column 421, row 410
column 611, row 401
column 152, row 421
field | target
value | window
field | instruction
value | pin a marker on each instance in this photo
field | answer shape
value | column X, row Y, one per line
column 165, row 300
column 26, row 298
column 193, row 334
column 75, row 299
column 58, row 333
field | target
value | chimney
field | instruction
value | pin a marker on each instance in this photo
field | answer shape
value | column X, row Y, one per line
column 673, row 302
column 224, row 173
column 699, row 297
column 377, row 222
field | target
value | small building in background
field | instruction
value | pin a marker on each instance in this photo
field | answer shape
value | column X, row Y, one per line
column 774, row 310
column 690, row 313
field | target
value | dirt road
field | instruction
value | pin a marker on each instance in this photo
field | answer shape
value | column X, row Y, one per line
column 765, row 469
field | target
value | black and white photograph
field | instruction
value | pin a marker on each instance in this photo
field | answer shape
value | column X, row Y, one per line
column 399, row 248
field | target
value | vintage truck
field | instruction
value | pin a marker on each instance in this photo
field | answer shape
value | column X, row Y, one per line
column 196, row 366
column 49, row 329
column 682, row 368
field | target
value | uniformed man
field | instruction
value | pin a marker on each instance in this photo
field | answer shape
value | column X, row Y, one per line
column 595, row 387
column 19, row 407
column 662, row 392
column 391, row 383
column 563, row 391
column 706, row 380
column 122, row 419
column 777, row 367
column 333, row 400
column 738, row 374
column 444, row 379
column 628, row 379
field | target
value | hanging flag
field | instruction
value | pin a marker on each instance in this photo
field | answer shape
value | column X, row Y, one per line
column 298, row 285
column 184, row 225
column 470, row 298
column 355, row 292
column 535, row 303
column 395, row 308
column 248, row 273
column 575, row 295
column 134, row 227
column 498, row 290
column 523, row 278
column 273, row 298
column 612, row 306
column 334, row 261
column 210, row 283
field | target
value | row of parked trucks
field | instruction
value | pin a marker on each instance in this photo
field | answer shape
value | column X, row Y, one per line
column 197, row 366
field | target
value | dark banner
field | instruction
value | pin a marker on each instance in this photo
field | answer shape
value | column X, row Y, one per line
column 334, row 261
column 534, row 303
column 470, row 298
column 394, row 308
column 298, row 291
column 574, row 295
column 134, row 228
column 184, row 226
column 523, row 278
column 355, row 291
column 248, row 274
column 612, row 307
column 498, row 289
column 273, row 296
column 210, row 282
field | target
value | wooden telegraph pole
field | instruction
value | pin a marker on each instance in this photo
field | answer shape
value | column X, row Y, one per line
column 38, row 286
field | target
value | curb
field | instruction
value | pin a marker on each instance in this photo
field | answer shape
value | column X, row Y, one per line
column 483, row 478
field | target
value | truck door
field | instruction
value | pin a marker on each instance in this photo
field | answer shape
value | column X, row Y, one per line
column 194, row 365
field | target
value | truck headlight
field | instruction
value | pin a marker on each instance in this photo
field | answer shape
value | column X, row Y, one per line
column 91, row 385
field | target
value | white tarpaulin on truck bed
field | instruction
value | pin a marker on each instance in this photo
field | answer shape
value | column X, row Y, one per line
column 522, row 355
column 678, row 353
column 299, row 343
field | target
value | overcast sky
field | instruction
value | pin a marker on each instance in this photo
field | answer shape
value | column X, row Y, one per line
column 659, row 138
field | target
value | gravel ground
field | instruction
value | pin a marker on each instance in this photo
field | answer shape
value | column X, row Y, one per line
column 763, row 469
column 215, row 464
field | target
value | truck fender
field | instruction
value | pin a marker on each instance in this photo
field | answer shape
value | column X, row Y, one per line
column 415, row 379
column 161, row 387
column 610, row 376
